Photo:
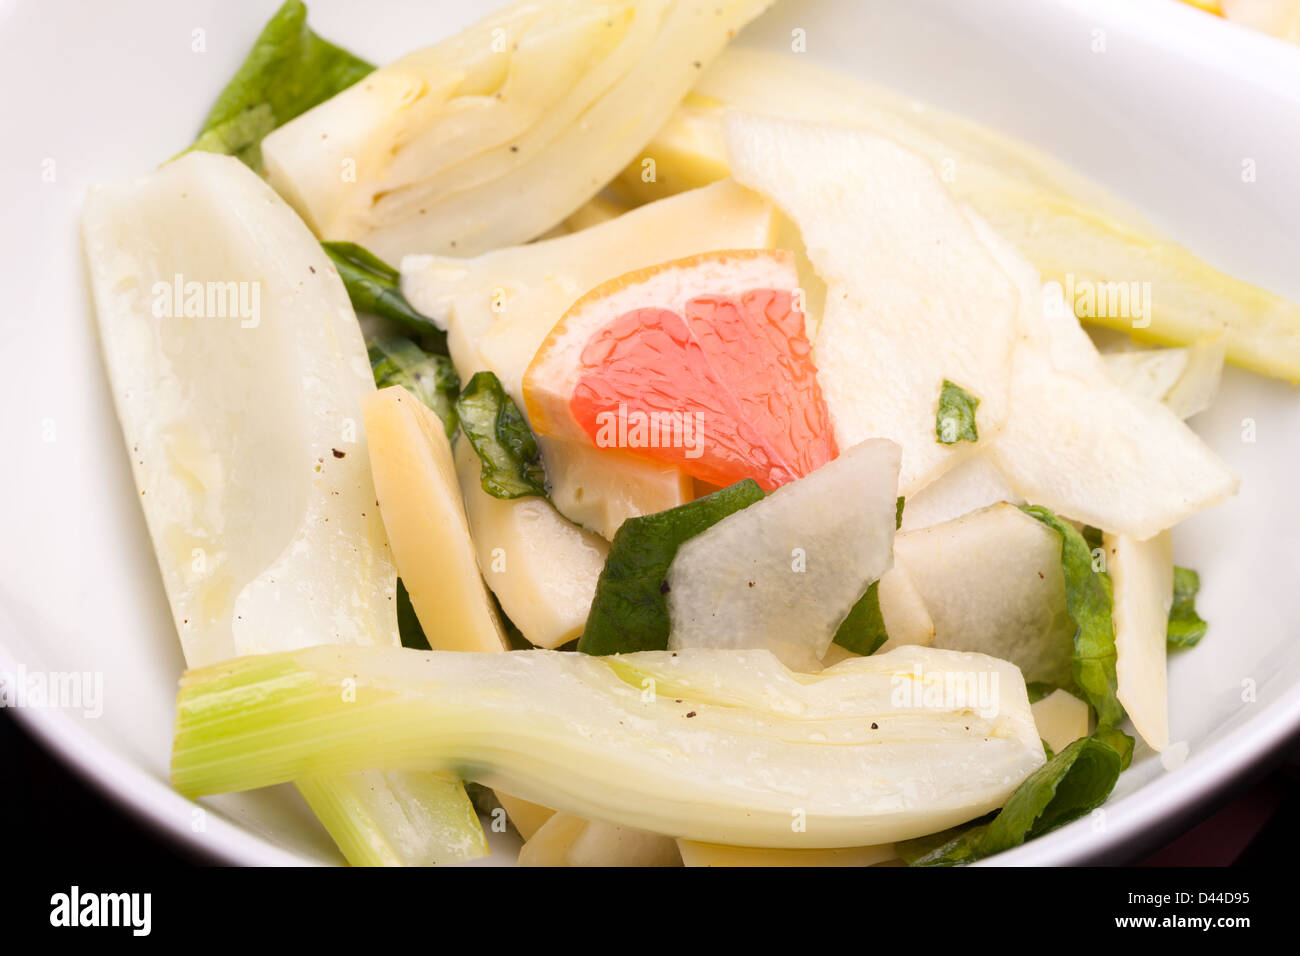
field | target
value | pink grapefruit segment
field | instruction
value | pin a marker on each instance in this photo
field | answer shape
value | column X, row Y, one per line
column 702, row 363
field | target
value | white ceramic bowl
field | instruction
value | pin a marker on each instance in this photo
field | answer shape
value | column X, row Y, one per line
column 1165, row 116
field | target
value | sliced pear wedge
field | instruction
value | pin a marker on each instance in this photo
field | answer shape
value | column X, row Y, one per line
column 566, row 840
column 913, row 297
column 783, row 573
column 1066, row 225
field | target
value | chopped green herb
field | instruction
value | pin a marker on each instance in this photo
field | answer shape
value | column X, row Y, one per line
column 1070, row 785
column 863, row 630
column 430, row 378
column 289, row 70
column 507, row 447
column 630, row 610
column 374, row 286
column 956, row 419
column 1186, row 627
column 898, row 512
column 1088, row 600
column 408, row 623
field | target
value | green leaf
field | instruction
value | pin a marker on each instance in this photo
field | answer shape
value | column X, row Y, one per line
column 898, row 512
column 512, row 462
column 288, row 71
column 408, row 623
column 1088, row 600
column 956, row 419
column 430, row 378
column 630, row 612
column 1038, row 689
column 1120, row 741
column 863, row 630
column 1186, row 627
column 374, row 286
column 1070, row 785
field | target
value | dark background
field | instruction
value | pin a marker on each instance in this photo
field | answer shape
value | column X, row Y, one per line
column 47, row 806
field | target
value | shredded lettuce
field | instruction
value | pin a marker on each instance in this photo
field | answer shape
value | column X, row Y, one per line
column 498, row 433
column 1186, row 627
column 374, row 286
column 630, row 611
column 289, row 70
column 956, row 418
column 1070, row 785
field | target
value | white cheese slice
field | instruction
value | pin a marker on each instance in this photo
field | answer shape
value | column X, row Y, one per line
column 1143, row 576
column 1061, row 719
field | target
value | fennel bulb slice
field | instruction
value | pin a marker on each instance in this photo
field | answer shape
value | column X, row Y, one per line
column 913, row 297
column 495, row 135
column 238, row 370
column 716, row 746
column 783, row 573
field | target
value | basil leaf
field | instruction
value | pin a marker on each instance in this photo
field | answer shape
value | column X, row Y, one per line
column 289, row 70
column 1038, row 689
column 956, row 418
column 898, row 512
column 629, row 611
column 1088, row 600
column 863, row 630
column 408, row 623
column 512, row 462
column 1186, row 627
column 430, row 378
column 1070, row 785
column 375, row 286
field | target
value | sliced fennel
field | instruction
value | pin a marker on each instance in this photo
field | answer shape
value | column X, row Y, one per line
column 913, row 297
column 1066, row 225
column 717, row 746
column 1186, row 380
column 495, row 135
column 783, row 573
column 500, row 306
column 245, row 439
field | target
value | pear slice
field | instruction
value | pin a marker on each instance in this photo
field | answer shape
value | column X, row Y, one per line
column 1186, row 379
column 783, row 573
column 913, row 297
column 499, row 308
column 992, row 583
column 1066, row 225
column 495, row 135
column 1143, row 575
column 975, row 483
column 1079, row 443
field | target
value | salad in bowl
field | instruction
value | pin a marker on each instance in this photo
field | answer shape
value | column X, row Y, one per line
column 674, row 452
